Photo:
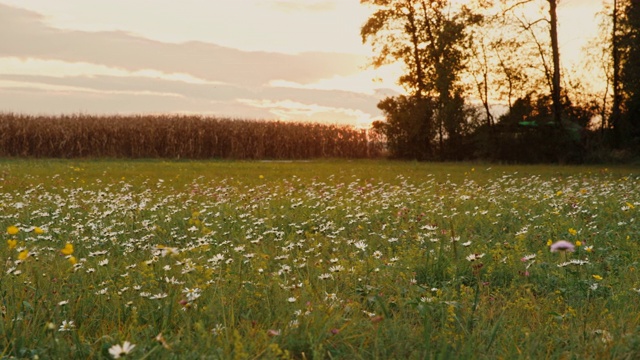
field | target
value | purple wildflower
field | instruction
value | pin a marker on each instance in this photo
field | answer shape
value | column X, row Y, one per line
column 562, row 245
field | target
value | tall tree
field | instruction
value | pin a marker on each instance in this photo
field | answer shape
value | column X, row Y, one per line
column 555, row 50
column 615, row 81
column 551, row 71
column 428, row 37
column 630, row 70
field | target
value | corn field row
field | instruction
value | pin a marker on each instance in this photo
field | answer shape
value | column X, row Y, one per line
column 167, row 136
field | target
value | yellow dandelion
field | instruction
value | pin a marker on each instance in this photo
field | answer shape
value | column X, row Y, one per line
column 572, row 231
column 597, row 277
column 12, row 243
column 549, row 242
column 38, row 230
column 578, row 243
column 68, row 249
column 23, row 255
column 12, row 230
column 72, row 259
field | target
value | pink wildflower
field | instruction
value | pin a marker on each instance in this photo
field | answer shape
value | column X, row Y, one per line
column 562, row 245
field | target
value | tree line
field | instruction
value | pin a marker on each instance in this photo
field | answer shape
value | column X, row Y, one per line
column 484, row 80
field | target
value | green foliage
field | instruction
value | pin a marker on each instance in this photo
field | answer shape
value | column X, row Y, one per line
column 316, row 260
column 429, row 38
column 409, row 127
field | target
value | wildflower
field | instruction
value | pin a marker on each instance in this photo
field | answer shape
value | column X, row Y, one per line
column 67, row 326
column 166, row 250
column 324, row 276
column 588, row 248
column 218, row 329
column 361, row 245
column 574, row 262
column 272, row 332
column 292, row 299
column 597, row 277
column 578, row 243
column 38, row 230
column 528, row 257
column 23, row 255
column 12, row 243
column 158, row 296
column 336, row 268
column 192, row 294
column 104, row 262
column 63, row 302
column 72, row 259
column 474, row 257
column 121, row 350
column 12, row 230
column 562, row 245
column 572, row 231
column 68, row 249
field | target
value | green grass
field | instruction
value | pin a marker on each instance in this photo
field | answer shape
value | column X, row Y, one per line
column 322, row 259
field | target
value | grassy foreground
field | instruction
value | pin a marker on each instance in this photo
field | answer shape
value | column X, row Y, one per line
column 330, row 259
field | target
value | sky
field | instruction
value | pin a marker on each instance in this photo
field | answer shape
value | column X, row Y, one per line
column 298, row 60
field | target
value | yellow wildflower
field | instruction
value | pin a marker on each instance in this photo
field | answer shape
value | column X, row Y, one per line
column 578, row 243
column 23, row 255
column 12, row 230
column 549, row 242
column 630, row 205
column 572, row 231
column 12, row 243
column 72, row 260
column 597, row 277
column 38, row 230
column 68, row 249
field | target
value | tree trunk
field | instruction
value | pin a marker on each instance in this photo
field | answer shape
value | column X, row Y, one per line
column 555, row 96
column 615, row 55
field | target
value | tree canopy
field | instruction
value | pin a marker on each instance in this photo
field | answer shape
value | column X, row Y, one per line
column 465, row 62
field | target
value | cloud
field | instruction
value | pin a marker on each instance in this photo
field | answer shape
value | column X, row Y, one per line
column 25, row 35
column 48, row 70
column 293, row 110
column 299, row 5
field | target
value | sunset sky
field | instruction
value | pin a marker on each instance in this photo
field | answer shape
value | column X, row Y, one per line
column 261, row 59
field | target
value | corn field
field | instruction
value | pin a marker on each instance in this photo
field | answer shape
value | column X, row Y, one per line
column 168, row 136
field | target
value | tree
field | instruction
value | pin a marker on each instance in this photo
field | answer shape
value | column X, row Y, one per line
column 552, row 71
column 630, row 69
column 429, row 39
column 408, row 135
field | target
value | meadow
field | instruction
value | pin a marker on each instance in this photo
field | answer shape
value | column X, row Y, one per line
column 152, row 259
